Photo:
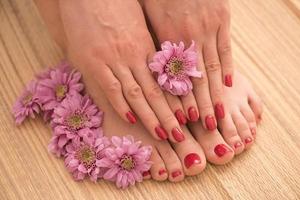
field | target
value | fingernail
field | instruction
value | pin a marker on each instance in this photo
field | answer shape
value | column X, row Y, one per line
column 131, row 118
column 221, row 150
column 161, row 132
column 228, row 81
column 253, row 131
column 238, row 145
column 162, row 171
column 180, row 117
column 176, row 173
column 210, row 123
column 248, row 140
column 191, row 159
column 177, row 134
column 193, row 114
column 219, row 111
column 146, row 173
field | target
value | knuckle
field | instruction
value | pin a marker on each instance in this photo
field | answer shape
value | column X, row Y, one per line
column 198, row 82
column 114, row 87
column 134, row 92
column 154, row 92
column 225, row 48
column 212, row 66
column 217, row 93
column 169, row 119
column 205, row 107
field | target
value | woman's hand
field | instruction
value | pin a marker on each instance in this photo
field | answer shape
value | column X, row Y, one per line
column 110, row 40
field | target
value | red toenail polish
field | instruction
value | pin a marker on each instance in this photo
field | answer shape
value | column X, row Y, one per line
column 253, row 131
column 221, row 150
column 162, row 171
column 228, row 81
column 161, row 132
column 248, row 140
column 193, row 114
column 180, row 117
column 177, row 134
column 131, row 118
column 219, row 111
column 176, row 173
column 191, row 159
column 238, row 145
column 210, row 123
column 146, row 173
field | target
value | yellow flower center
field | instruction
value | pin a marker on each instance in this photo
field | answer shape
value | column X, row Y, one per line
column 127, row 162
column 76, row 121
column 86, row 155
column 175, row 66
column 60, row 91
column 27, row 99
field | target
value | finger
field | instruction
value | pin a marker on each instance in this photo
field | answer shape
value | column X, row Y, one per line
column 176, row 107
column 190, row 106
column 225, row 54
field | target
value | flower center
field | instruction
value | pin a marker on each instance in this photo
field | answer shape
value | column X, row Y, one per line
column 127, row 162
column 60, row 91
column 27, row 99
column 76, row 121
column 86, row 155
column 175, row 66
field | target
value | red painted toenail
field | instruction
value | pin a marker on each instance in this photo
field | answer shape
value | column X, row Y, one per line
column 221, row 150
column 228, row 80
column 176, row 173
column 146, row 173
column 248, row 140
column 219, row 111
column 162, row 171
column 191, row 159
column 131, row 118
column 161, row 132
column 181, row 117
column 177, row 134
column 253, row 131
column 210, row 123
column 238, row 145
column 193, row 114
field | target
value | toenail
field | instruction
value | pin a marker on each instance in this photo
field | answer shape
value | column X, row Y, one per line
column 161, row 132
column 180, row 117
column 238, row 145
column 131, row 118
column 176, row 173
column 253, row 131
column 210, row 123
column 219, row 111
column 248, row 140
column 162, row 171
column 193, row 114
column 191, row 159
column 177, row 134
column 228, row 80
column 221, row 150
column 146, row 173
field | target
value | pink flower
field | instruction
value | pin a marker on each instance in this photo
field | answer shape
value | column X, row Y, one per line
column 81, row 159
column 126, row 161
column 174, row 65
column 27, row 104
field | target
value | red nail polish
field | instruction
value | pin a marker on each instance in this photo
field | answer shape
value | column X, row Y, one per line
column 219, row 111
column 193, row 114
column 210, row 123
column 131, row 118
column 238, row 145
column 177, row 134
column 176, row 173
column 146, row 173
column 161, row 132
column 253, row 131
column 191, row 159
column 248, row 140
column 181, row 117
column 221, row 150
column 162, row 171
column 228, row 81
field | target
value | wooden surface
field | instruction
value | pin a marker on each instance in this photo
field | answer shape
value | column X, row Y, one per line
column 266, row 43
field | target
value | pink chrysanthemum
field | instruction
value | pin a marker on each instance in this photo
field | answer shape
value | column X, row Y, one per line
column 175, row 65
column 76, row 119
column 81, row 159
column 27, row 104
column 126, row 161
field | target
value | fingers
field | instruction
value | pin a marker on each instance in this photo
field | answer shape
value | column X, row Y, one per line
column 176, row 107
column 190, row 107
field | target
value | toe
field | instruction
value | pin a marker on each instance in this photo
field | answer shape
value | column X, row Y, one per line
column 190, row 154
column 216, row 150
column 255, row 104
column 250, row 117
column 158, row 170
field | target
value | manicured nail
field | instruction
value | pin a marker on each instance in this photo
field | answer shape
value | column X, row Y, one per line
column 253, row 131
column 238, row 145
column 210, row 123
column 191, row 159
column 228, row 81
column 161, row 132
column 193, row 114
column 177, row 134
column 219, row 111
column 221, row 150
column 162, row 171
column 131, row 118
column 146, row 173
column 176, row 173
column 248, row 140
column 181, row 117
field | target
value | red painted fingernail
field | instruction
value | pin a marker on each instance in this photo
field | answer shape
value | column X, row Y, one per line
column 181, row 117
column 146, row 173
column 238, row 145
column 228, row 81
column 191, row 159
column 253, row 131
column 162, row 171
column 193, row 114
column 248, row 140
column 221, row 150
column 131, row 117
column 176, row 173
column 177, row 134
column 161, row 132
column 210, row 123
column 219, row 111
